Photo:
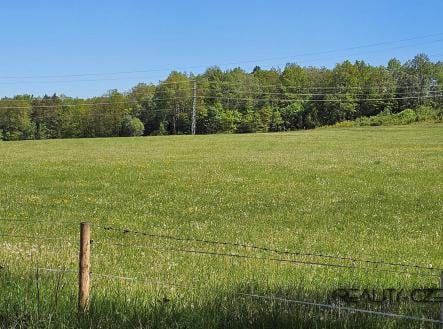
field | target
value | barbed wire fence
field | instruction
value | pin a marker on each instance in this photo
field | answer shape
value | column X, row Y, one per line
column 85, row 275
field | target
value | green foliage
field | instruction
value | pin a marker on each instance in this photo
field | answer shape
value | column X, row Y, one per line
column 249, row 123
column 41, row 131
column 276, row 122
column 15, row 122
column 229, row 121
column 132, row 126
column 161, row 130
column 234, row 100
column 298, row 116
column 265, row 114
column 213, row 119
column 405, row 117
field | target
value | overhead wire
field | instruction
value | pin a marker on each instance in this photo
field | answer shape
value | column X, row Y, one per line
column 238, row 62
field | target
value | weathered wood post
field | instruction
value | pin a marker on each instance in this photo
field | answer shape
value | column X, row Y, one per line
column 441, row 296
column 84, row 267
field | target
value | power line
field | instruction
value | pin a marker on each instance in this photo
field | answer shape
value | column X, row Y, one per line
column 160, row 83
column 342, row 308
column 266, row 249
column 430, row 93
column 233, row 63
column 339, row 93
column 283, row 86
column 388, row 88
column 86, row 104
column 315, row 100
column 189, row 98
column 152, row 96
column 228, row 99
column 258, row 92
column 340, row 89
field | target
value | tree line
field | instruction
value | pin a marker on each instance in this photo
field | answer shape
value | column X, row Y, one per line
column 294, row 97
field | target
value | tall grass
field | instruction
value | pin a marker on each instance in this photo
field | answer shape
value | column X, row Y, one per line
column 366, row 192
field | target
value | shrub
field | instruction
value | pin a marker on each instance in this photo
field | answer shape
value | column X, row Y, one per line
column 407, row 116
column 132, row 126
column 364, row 121
column 438, row 117
column 347, row 124
column 277, row 123
column 249, row 123
column 424, row 113
column 12, row 135
column 376, row 121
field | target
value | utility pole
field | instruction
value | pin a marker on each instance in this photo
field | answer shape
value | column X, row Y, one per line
column 194, row 107
column 174, row 119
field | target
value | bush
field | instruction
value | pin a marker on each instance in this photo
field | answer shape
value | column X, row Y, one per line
column 12, row 135
column 377, row 121
column 424, row 113
column 132, row 126
column 250, row 123
column 364, row 121
column 438, row 117
column 229, row 121
column 407, row 116
column 277, row 123
column 347, row 124
column 161, row 131
column 41, row 131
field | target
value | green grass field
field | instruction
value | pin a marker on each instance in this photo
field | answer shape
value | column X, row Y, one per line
column 373, row 193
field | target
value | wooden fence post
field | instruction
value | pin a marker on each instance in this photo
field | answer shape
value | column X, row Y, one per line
column 84, row 267
column 441, row 296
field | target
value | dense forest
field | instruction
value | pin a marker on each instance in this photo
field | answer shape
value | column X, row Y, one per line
column 291, row 98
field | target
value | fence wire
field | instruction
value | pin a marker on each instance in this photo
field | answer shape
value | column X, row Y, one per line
column 272, row 259
column 36, row 237
column 266, row 249
column 342, row 308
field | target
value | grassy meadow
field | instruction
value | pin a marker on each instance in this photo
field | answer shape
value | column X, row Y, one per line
column 368, row 192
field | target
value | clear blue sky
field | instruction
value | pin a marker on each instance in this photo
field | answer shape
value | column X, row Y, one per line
column 44, row 43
